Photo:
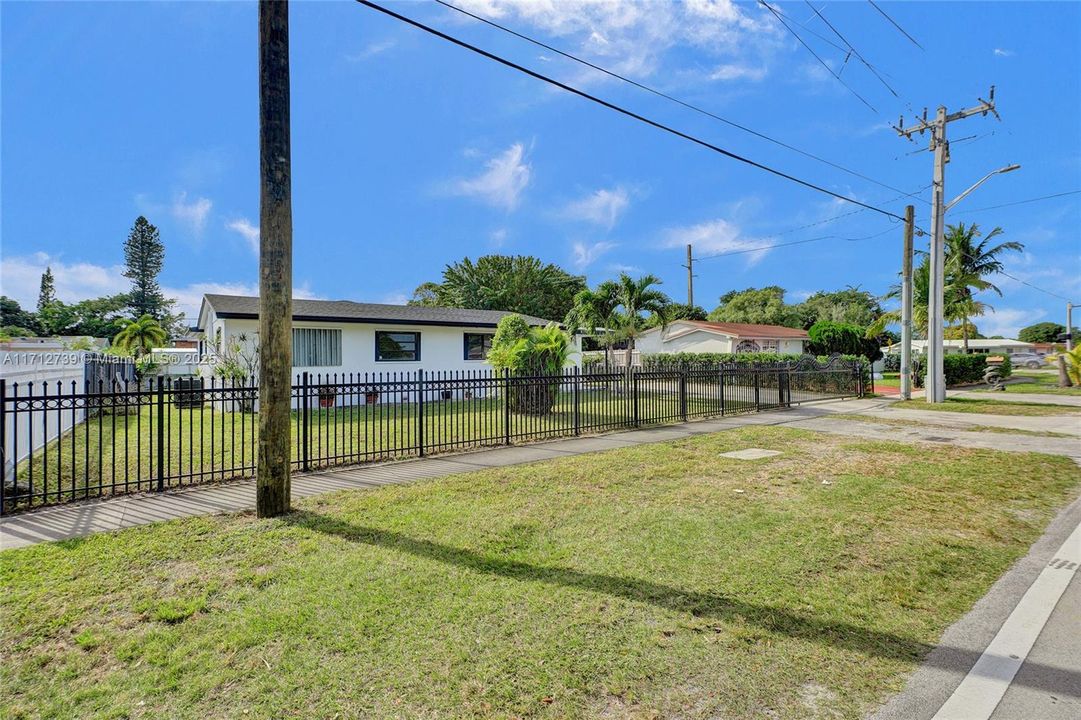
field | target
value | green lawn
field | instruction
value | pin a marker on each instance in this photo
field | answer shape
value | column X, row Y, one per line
column 206, row 444
column 993, row 407
column 1040, row 383
column 653, row 581
column 947, row 425
column 889, row 380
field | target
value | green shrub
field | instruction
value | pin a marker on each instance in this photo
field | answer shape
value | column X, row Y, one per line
column 959, row 369
column 891, row 362
column 526, row 350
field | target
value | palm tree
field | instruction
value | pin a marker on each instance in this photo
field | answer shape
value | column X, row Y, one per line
column 595, row 311
column 921, row 291
column 139, row 336
column 968, row 262
column 633, row 298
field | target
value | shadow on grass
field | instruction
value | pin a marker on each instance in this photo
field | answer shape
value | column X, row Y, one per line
column 829, row 632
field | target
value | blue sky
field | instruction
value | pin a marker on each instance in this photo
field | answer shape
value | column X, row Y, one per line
column 409, row 153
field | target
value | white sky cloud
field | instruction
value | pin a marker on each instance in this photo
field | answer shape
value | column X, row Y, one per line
column 601, row 207
column 503, row 181
column 498, row 237
column 737, row 71
column 631, row 37
column 371, row 50
column 1002, row 52
column 716, row 236
column 20, row 278
column 245, row 229
column 585, row 254
column 191, row 214
column 1007, row 321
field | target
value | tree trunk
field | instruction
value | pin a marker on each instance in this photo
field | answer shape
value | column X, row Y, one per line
column 964, row 333
column 1063, row 376
column 275, row 261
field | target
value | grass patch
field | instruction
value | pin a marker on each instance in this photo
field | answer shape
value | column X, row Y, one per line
column 1042, row 383
column 892, row 380
column 897, row 422
column 635, row 582
column 992, row 407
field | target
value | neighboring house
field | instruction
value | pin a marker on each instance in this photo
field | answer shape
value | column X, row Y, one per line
column 341, row 336
column 989, row 346
column 715, row 337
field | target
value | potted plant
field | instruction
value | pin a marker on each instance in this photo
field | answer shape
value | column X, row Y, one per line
column 327, row 393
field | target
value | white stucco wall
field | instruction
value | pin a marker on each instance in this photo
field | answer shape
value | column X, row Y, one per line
column 441, row 347
column 701, row 341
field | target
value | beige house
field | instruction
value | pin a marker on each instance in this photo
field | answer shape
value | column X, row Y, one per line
column 715, row 337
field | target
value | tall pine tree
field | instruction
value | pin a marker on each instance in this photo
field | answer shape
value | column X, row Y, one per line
column 47, row 291
column 144, row 255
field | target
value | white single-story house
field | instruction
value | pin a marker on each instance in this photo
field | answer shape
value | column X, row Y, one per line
column 998, row 346
column 694, row 336
column 341, row 336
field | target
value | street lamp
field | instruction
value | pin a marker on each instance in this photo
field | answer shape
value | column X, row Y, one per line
column 936, row 377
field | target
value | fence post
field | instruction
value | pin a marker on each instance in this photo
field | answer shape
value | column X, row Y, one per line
column 161, row 433
column 683, row 393
column 577, row 415
column 634, row 392
column 4, row 444
column 757, row 403
column 720, row 375
column 305, row 421
column 420, row 412
column 506, row 406
column 859, row 379
column 780, row 387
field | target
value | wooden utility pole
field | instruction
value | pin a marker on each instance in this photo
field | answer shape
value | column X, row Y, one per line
column 275, row 261
column 690, row 277
column 906, row 306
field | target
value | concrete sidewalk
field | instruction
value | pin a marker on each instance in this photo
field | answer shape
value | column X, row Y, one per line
column 1068, row 401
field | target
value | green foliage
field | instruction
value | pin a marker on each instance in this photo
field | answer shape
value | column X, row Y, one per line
column 13, row 331
column 47, row 290
column 139, row 336
column 891, row 362
column 684, row 359
column 12, row 315
column 678, row 311
column 521, row 348
column 99, row 317
column 1045, row 332
column 1005, row 368
column 237, row 360
column 144, row 256
column 851, row 306
column 961, row 331
column 79, row 343
column 959, row 368
column 829, row 337
column 520, row 284
column 635, row 301
column 56, row 318
column 759, row 306
column 1073, row 364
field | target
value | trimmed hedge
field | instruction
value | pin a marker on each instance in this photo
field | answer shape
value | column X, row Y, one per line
column 959, row 369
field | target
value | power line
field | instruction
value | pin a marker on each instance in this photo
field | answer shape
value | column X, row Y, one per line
column 1017, row 202
column 620, row 109
column 794, row 242
column 1035, row 287
column 851, row 48
column 664, row 95
column 822, row 62
column 894, row 23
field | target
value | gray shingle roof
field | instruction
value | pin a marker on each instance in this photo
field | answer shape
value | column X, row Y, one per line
column 347, row 311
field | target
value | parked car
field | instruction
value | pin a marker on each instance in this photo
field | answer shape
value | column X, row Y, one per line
column 1027, row 359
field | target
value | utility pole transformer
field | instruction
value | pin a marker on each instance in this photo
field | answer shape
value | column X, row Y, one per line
column 690, row 277
column 935, row 382
column 906, row 306
column 272, row 484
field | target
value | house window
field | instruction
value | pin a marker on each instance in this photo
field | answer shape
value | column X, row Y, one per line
column 477, row 345
column 316, row 347
column 747, row 346
column 769, row 346
column 391, row 346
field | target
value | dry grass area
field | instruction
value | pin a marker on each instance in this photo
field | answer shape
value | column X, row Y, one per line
column 652, row 581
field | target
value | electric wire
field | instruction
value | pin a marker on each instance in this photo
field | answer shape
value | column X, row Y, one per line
column 620, row 109
column 661, row 94
column 894, row 23
column 822, row 62
column 1017, row 202
column 852, row 50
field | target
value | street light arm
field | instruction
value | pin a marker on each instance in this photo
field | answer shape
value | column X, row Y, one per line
column 985, row 178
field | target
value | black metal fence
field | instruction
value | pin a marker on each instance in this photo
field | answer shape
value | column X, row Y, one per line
column 63, row 443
